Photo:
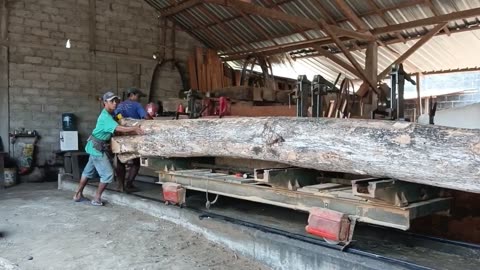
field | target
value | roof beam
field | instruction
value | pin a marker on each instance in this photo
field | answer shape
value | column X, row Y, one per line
column 428, row 21
column 346, row 52
column 413, row 49
column 377, row 31
column 380, row 43
column 351, row 15
column 266, row 12
column 352, row 34
column 253, row 9
column 337, row 60
column 172, row 10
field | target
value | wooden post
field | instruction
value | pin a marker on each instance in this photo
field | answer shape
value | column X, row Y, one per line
column 419, row 98
column 371, row 67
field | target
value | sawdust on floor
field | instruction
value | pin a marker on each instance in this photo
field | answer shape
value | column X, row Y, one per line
column 44, row 229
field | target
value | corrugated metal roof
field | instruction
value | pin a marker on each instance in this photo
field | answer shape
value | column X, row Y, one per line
column 236, row 34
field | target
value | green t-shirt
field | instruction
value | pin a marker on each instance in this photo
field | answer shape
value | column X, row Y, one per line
column 104, row 130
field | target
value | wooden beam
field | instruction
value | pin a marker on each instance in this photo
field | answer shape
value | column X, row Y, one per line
column 337, row 60
column 350, row 58
column 266, row 12
column 376, row 31
column 282, row 16
column 371, row 60
column 381, row 43
column 413, row 49
column 428, row 21
column 172, row 10
column 351, row 15
column 419, row 99
column 352, row 34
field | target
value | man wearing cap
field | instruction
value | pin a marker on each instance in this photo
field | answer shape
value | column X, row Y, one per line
column 129, row 108
column 98, row 146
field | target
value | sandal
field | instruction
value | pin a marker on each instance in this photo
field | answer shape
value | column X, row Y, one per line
column 81, row 199
column 95, row 203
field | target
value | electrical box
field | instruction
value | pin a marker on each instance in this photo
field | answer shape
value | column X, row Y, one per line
column 68, row 140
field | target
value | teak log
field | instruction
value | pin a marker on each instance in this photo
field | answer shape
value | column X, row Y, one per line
column 425, row 154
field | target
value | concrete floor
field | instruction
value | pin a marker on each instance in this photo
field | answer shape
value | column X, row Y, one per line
column 44, row 229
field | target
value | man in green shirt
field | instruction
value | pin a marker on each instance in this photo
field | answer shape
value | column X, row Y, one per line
column 97, row 147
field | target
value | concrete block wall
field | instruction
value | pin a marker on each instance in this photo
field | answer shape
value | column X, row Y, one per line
column 445, row 102
column 46, row 79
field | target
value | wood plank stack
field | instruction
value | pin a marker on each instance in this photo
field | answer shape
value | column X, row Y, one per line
column 206, row 71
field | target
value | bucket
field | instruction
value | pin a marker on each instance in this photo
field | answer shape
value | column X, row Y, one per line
column 69, row 122
column 10, row 177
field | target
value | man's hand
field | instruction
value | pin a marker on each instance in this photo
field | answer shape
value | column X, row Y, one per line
column 139, row 130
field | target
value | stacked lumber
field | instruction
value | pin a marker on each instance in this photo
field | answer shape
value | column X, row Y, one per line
column 206, row 71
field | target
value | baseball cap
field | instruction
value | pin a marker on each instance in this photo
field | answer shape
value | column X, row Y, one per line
column 135, row 91
column 109, row 96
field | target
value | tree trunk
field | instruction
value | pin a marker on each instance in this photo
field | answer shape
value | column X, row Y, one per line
column 431, row 155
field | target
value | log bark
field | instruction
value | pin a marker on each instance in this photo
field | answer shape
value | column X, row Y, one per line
column 425, row 154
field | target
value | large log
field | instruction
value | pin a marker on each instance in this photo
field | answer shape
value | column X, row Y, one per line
column 432, row 155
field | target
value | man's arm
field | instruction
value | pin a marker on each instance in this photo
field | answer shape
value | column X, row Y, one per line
column 142, row 113
column 136, row 129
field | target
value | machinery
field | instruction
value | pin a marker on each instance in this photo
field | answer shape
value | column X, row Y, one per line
column 335, row 201
column 310, row 93
column 201, row 106
column 392, row 106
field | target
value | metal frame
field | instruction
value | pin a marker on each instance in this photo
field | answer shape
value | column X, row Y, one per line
column 338, row 199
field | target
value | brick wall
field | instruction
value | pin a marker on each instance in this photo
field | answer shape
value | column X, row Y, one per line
column 46, row 79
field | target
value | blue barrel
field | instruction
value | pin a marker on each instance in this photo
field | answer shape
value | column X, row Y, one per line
column 69, row 122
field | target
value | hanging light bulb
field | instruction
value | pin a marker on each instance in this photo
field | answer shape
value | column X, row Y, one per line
column 68, row 45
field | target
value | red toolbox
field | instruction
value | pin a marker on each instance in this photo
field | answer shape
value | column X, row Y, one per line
column 173, row 193
column 329, row 224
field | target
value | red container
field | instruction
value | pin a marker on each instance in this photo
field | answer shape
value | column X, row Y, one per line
column 173, row 193
column 329, row 224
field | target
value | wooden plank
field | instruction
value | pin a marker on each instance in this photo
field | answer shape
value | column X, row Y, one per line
column 199, row 63
column 192, row 72
column 424, row 154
